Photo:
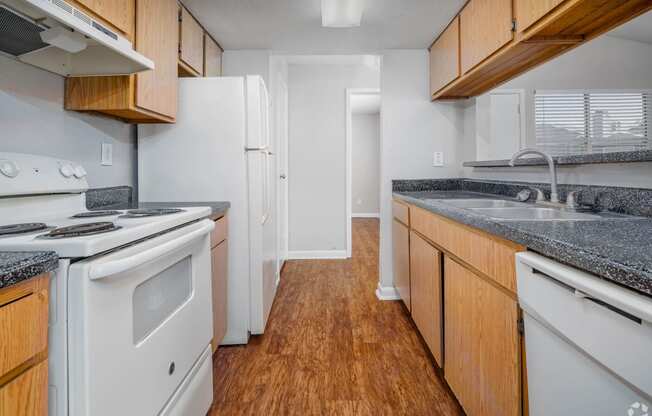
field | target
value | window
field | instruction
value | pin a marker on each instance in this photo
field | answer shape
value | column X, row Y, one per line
column 577, row 122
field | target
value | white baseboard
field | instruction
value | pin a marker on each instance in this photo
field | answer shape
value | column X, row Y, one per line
column 387, row 293
column 367, row 215
column 316, row 254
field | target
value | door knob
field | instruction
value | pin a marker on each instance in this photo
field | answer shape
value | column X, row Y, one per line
column 283, row 176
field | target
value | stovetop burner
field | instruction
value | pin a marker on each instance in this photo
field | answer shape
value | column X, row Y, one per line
column 81, row 230
column 93, row 214
column 22, row 228
column 154, row 212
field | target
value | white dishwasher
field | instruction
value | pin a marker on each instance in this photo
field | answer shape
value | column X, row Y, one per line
column 588, row 342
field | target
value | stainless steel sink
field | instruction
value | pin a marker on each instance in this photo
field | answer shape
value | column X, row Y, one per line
column 481, row 203
column 534, row 214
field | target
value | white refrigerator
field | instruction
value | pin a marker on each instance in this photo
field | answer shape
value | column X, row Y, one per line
column 219, row 150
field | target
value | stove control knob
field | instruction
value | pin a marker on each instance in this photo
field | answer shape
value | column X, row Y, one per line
column 66, row 170
column 80, row 172
column 8, row 168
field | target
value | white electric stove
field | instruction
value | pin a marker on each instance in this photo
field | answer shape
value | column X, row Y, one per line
column 130, row 304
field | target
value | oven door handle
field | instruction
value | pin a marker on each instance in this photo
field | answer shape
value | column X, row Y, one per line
column 111, row 268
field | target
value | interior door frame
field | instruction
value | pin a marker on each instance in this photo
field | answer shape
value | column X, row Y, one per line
column 278, row 63
column 349, row 146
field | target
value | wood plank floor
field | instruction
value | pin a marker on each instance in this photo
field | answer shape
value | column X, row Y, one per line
column 332, row 348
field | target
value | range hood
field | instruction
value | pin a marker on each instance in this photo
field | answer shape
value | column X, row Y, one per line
column 60, row 38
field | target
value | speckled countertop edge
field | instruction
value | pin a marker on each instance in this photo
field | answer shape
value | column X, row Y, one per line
column 634, row 276
column 218, row 208
column 18, row 266
column 586, row 159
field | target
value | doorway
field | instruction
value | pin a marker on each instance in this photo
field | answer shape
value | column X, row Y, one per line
column 363, row 111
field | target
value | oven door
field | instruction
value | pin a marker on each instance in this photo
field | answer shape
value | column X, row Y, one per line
column 139, row 319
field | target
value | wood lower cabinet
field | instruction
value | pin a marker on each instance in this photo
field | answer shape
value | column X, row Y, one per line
column 426, row 292
column 24, row 348
column 149, row 96
column 485, row 26
column 445, row 57
column 219, row 262
column 27, row 394
column 482, row 344
column 191, row 45
column 401, row 260
column 212, row 57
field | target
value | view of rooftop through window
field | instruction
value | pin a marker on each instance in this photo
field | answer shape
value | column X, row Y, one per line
column 592, row 121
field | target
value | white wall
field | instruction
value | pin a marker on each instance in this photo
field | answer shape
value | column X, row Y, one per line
column 603, row 63
column 365, row 164
column 32, row 120
column 317, row 151
column 246, row 62
column 412, row 128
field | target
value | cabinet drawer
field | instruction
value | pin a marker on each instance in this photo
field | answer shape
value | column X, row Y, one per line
column 401, row 212
column 219, row 233
column 23, row 330
column 492, row 256
column 27, row 394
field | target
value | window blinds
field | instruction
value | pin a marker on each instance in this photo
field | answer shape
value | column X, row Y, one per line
column 577, row 122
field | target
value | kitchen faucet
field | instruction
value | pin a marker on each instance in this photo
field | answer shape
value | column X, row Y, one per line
column 554, row 196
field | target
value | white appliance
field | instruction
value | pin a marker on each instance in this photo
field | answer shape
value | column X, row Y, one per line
column 219, row 149
column 130, row 303
column 61, row 38
column 587, row 341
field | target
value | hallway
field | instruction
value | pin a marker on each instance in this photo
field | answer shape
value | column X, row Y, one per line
column 332, row 348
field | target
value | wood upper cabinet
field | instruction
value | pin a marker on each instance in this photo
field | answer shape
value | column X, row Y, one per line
column 212, row 57
column 445, row 57
column 401, row 260
column 426, row 293
column 485, row 26
column 119, row 13
column 191, row 45
column 157, row 90
column 482, row 344
column 149, row 96
column 491, row 53
column 527, row 12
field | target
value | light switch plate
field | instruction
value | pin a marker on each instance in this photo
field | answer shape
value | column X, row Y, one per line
column 438, row 159
column 107, row 154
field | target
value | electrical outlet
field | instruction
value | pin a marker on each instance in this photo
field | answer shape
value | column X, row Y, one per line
column 438, row 159
column 107, row 154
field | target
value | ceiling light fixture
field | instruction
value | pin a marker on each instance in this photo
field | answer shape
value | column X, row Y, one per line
column 341, row 13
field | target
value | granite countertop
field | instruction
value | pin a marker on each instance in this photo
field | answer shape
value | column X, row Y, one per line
column 578, row 159
column 122, row 197
column 218, row 208
column 17, row 266
column 615, row 247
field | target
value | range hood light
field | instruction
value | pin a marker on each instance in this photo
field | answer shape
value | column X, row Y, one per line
column 64, row 39
column 341, row 13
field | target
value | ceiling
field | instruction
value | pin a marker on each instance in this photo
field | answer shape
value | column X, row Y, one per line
column 294, row 26
column 365, row 103
column 639, row 29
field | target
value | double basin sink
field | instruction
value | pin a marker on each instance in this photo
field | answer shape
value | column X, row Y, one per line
column 516, row 211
